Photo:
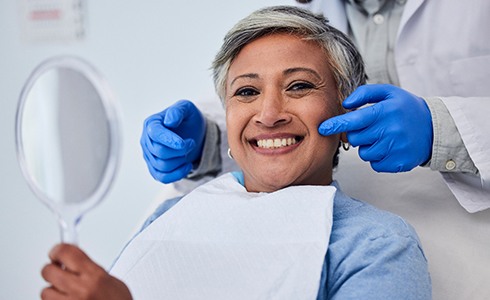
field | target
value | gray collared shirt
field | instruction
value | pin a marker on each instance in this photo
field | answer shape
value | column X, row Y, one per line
column 373, row 26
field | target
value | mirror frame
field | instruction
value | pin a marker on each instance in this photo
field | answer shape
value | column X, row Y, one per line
column 111, row 111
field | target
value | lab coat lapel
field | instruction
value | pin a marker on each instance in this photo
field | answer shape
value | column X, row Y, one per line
column 410, row 8
column 335, row 12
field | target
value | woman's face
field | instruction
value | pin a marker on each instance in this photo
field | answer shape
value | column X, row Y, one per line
column 279, row 89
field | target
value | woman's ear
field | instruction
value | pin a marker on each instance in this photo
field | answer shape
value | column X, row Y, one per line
column 343, row 137
column 344, row 141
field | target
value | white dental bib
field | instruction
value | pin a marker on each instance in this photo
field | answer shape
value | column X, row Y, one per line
column 221, row 242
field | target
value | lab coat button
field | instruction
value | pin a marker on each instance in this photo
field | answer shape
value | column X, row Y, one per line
column 450, row 165
column 378, row 19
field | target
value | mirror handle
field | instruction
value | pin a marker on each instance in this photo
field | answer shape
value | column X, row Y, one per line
column 69, row 231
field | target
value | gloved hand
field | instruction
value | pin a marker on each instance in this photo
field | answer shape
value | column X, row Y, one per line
column 172, row 140
column 394, row 135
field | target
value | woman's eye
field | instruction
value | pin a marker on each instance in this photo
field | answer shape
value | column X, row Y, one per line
column 300, row 86
column 246, row 92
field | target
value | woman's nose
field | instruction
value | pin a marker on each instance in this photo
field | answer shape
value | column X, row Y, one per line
column 272, row 111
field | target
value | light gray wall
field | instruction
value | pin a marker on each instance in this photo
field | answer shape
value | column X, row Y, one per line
column 152, row 53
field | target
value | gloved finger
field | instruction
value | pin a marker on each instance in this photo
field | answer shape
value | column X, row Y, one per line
column 354, row 120
column 162, row 135
column 364, row 137
column 177, row 113
column 173, row 176
column 163, row 152
column 370, row 93
column 164, row 165
column 387, row 165
column 168, row 177
column 153, row 172
column 374, row 152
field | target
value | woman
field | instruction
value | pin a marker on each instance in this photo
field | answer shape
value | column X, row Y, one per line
column 280, row 72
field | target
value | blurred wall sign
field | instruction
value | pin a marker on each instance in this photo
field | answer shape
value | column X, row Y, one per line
column 52, row 20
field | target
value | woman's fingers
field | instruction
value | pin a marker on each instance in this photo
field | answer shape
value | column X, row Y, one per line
column 72, row 258
column 61, row 279
column 51, row 293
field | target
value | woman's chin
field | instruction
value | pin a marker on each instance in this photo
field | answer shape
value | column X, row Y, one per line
column 270, row 182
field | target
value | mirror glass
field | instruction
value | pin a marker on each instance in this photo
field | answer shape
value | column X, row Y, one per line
column 67, row 138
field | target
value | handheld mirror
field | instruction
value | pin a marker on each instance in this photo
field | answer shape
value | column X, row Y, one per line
column 67, row 137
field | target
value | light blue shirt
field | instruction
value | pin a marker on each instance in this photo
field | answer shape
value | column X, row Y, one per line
column 372, row 254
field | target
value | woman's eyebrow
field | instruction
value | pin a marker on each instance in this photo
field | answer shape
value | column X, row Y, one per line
column 285, row 72
column 248, row 75
column 301, row 69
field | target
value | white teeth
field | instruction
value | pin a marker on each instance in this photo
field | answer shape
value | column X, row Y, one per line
column 276, row 143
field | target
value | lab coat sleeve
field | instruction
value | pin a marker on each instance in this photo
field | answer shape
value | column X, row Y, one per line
column 471, row 116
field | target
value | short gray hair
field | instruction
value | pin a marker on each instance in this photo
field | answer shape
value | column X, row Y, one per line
column 344, row 59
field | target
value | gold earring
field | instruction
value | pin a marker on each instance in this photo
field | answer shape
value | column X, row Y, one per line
column 229, row 153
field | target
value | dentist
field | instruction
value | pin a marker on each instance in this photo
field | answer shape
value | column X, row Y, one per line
column 430, row 103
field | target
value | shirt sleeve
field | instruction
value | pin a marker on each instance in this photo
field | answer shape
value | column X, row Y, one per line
column 373, row 254
column 449, row 153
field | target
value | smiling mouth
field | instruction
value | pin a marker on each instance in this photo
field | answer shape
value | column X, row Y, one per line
column 277, row 142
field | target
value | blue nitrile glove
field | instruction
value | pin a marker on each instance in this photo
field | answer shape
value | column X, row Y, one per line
column 394, row 134
column 172, row 140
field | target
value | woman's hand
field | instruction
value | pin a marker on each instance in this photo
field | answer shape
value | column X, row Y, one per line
column 73, row 275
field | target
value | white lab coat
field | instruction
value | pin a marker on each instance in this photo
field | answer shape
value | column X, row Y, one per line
column 443, row 49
